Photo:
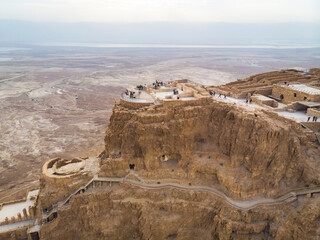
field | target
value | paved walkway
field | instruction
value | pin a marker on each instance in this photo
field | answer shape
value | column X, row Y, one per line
column 244, row 205
column 13, row 226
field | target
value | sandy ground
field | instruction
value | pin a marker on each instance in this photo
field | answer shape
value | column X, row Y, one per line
column 56, row 101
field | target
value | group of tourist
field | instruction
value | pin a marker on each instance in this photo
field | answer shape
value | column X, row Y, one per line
column 219, row 96
column 175, row 92
column 140, row 87
column 157, row 84
column 131, row 93
column 248, row 100
column 314, row 119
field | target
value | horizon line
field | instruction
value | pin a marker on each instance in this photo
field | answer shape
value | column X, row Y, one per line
column 177, row 22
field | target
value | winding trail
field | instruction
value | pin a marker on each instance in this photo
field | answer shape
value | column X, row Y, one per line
column 140, row 182
column 244, row 205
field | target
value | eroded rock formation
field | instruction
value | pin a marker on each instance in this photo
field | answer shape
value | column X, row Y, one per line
column 248, row 153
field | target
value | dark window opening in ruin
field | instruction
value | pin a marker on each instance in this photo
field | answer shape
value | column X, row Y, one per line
column 34, row 236
column 131, row 166
column 295, row 95
column 281, row 96
column 163, row 157
column 158, row 182
column 305, row 98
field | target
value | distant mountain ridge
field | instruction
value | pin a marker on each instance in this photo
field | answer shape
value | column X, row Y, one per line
column 160, row 33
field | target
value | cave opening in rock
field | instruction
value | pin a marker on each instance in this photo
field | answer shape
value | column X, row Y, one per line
column 131, row 166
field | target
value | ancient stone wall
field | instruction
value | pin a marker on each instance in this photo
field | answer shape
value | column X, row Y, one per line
column 313, row 112
column 133, row 104
column 289, row 95
column 264, row 101
column 262, row 83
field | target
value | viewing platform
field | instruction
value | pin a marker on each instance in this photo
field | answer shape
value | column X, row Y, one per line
column 160, row 93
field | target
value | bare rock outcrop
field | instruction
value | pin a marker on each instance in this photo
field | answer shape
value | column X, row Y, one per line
column 248, row 153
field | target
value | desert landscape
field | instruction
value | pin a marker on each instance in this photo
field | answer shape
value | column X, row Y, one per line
column 223, row 132
column 56, row 101
column 183, row 160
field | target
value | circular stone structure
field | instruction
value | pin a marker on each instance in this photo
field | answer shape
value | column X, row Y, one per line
column 61, row 177
column 59, row 167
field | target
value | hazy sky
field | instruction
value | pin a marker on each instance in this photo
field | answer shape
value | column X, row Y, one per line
column 267, row 11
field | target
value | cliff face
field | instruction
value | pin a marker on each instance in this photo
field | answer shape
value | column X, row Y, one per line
column 247, row 153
